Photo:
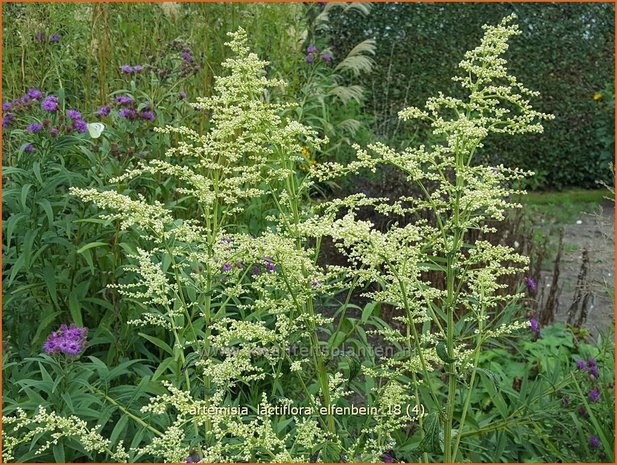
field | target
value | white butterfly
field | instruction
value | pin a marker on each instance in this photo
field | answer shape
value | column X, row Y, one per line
column 95, row 129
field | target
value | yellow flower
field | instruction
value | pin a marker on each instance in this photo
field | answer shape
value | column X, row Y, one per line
column 597, row 96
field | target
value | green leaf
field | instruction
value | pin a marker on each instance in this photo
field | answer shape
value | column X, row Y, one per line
column 91, row 245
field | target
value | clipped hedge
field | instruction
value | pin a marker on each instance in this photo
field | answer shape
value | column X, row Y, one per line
column 566, row 52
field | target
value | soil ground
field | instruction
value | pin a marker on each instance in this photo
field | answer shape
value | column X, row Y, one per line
column 594, row 232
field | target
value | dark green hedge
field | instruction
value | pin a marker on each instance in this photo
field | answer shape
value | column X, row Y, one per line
column 565, row 51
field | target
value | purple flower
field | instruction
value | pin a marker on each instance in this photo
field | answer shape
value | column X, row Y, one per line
column 54, row 38
column 138, row 68
column 124, row 99
column 326, row 57
column 126, row 69
column 6, row 106
column 189, row 460
column 50, row 103
column 53, row 132
column 581, row 365
column 186, row 56
column 270, row 267
column 182, row 95
column 592, row 362
column 29, row 148
column 594, row 372
column 565, row 401
column 128, row 113
column 40, row 36
column 314, row 283
column 311, row 49
column 387, row 457
column 594, row 442
column 103, row 111
column 594, row 395
column 531, row 284
column 226, row 240
column 7, row 119
column 80, row 125
column 69, row 340
column 226, row 267
column 582, row 411
column 35, row 94
column 34, row 127
column 73, row 114
column 148, row 115
column 310, row 58
column 256, row 270
column 535, row 326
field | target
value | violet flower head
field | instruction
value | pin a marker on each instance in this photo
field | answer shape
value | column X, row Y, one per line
column 592, row 362
column 138, row 68
column 6, row 106
column 326, row 57
column 581, row 365
column 80, row 125
column 124, row 99
column 73, row 114
column 69, row 340
column 594, row 395
column 311, row 49
column 310, row 58
column 40, row 37
column 182, row 95
column 53, row 132
column 29, row 148
column 126, row 69
column 34, row 127
column 54, row 38
column 103, row 111
column 565, row 401
column 128, row 113
column 387, row 457
column 270, row 267
column 531, row 284
column 35, row 93
column 50, row 103
column 256, row 270
column 226, row 267
column 7, row 119
column 582, row 411
column 147, row 115
column 594, row 372
column 594, row 442
column 186, row 56
column 534, row 325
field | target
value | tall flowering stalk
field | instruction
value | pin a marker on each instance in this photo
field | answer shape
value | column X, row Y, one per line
column 461, row 197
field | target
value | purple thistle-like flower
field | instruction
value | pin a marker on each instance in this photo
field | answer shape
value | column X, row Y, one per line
column 138, row 68
column 124, row 99
column 103, row 111
column 311, row 49
column 186, row 56
column 73, row 114
column 55, row 38
column 326, row 57
column 7, row 119
column 592, row 362
column 6, row 106
column 181, row 95
column 310, row 58
column 594, row 372
column 565, row 401
column 189, row 459
column 50, row 103
column 126, row 69
column 147, row 115
column 594, row 395
column 534, row 325
column 387, row 457
column 34, row 127
column 53, row 132
column 80, row 125
column 128, row 113
column 581, row 365
column 582, row 411
column 226, row 267
column 531, row 284
column 270, row 267
column 40, row 36
column 35, row 94
column 29, row 148
column 314, row 283
column 69, row 340
column 594, row 442
column 256, row 270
